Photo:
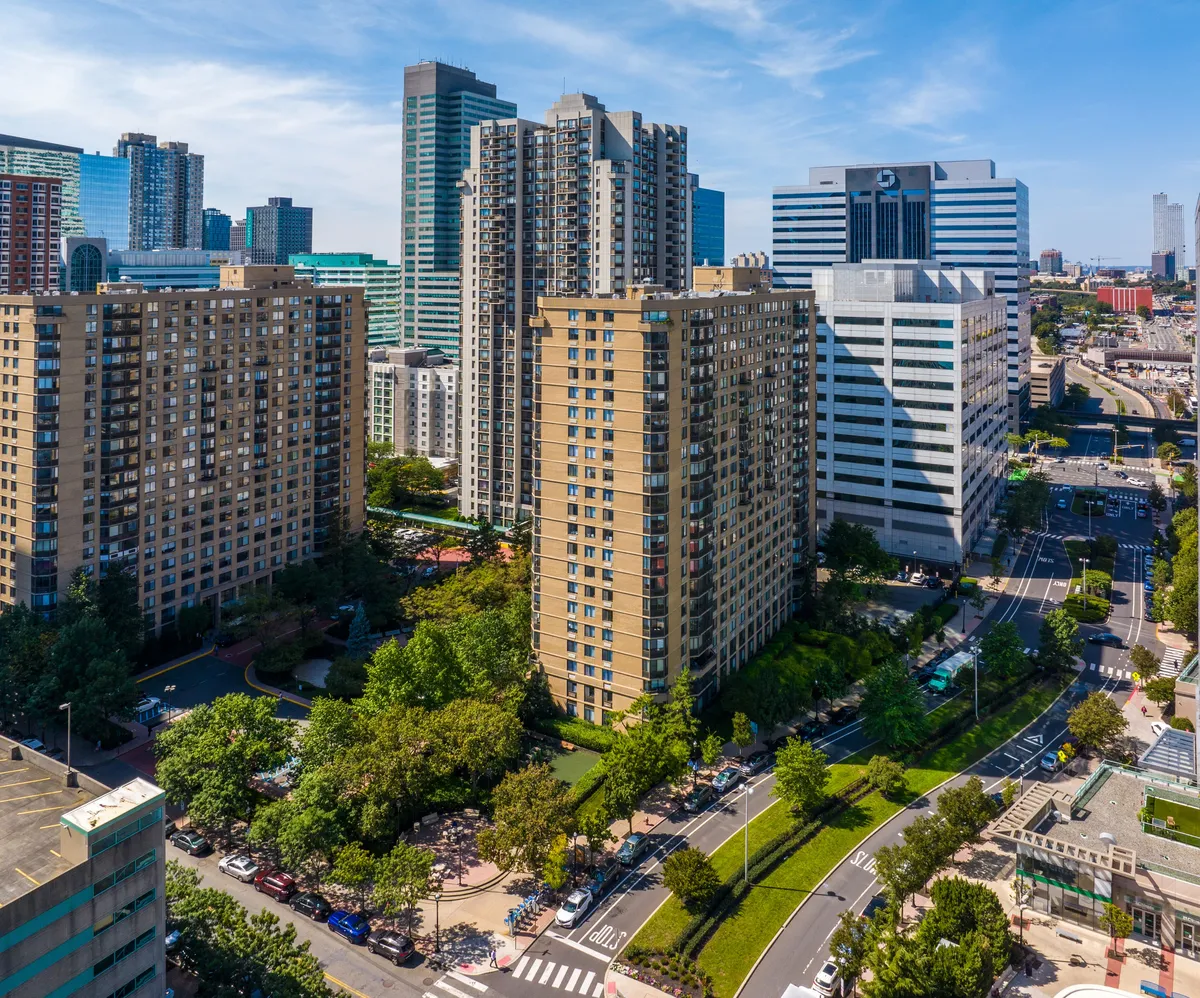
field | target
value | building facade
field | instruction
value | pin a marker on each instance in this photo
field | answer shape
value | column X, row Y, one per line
column 1126, row 299
column 34, row 158
column 957, row 212
column 166, row 193
column 216, row 229
column 157, row 270
column 708, row 224
column 1048, row 382
column 200, row 439
column 1168, row 229
column 276, row 230
column 104, row 199
column 237, row 234
column 414, row 401
column 1050, row 261
column 82, row 263
column 382, row 285
column 441, row 104
column 911, row 403
column 1162, row 265
column 651, row 556
column 30, row 227
column 82, row 900
column 615, row 216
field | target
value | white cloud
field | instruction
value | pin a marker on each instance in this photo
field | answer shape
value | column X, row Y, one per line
column 948, row 89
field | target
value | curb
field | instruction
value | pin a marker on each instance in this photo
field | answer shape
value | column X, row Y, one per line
column 816, row 888
column 272, row 691
column 175, row 665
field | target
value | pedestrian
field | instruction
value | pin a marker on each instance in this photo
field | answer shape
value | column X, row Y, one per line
column 492, row 958
column 1028, row 968
column 1143, row 710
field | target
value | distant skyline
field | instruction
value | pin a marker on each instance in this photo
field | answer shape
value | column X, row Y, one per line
column 1088, row 103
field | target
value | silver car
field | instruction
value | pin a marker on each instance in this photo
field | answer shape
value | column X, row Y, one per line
column 239, row 867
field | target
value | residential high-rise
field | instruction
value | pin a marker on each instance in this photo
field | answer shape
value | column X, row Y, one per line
column 34, row 158
column 166, row 193
column 237, row 234
column 1050, row 262
column 441, row 103
column 708, row 224
column 200, row 439
column 104, row 199
column 30, row 223
column 1168, row 230
column 652, row 555
column 957, row 212
column 82, row 901
column 910, row 412
column 1162, row 264
column 414, row 398
column 216, row 229
column 615, row 216
column 381, row 283
column 276, row 230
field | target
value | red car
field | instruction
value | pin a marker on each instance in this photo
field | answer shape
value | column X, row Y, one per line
column 281, row 886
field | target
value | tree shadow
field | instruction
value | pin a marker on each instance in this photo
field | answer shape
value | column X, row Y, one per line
column 988, row 866
column 465, row 942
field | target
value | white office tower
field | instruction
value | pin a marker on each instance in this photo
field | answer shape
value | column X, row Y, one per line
column 957, row 212
column 1168, row 231
column 910, row 404
column 589, row 203
column 414, row 396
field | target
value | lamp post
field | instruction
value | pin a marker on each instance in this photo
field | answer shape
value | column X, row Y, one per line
column 437, row 923
column 1085, row 561
column 167, row 691
column 975, row 669
column 748, row 790
column 67, row 707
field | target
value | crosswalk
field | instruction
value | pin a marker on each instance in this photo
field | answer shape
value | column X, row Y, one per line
column 1076, row 537
column 573, row 980
column 1172, row 662
column 1111, row 672
column 451, row 985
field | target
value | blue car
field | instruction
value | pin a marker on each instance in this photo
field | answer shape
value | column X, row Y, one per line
column 1148, row 586
column 350, row 924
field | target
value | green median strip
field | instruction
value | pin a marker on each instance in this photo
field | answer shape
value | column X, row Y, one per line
column 739, row 939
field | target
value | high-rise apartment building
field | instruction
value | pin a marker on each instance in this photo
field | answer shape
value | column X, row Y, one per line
column 911, row 436
column 216, row 229
column 615, row 215
column 34, row 158
column 30, row 226
column 381, row 282
column 104, row 199
column 1050, row 261
column 957, row 212
column 200, row 439
column 414, row 401
column 276, row 230
column 237, row 234
column 1162, row 264
column 708, row 224
column 82, row 904
column 652, row 554
column 441, row 104
column 1168, row 229
column 166, row 193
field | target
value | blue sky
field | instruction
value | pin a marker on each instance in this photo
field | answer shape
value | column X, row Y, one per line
column 1092, row 104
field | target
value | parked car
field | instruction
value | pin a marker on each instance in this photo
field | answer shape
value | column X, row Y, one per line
column 753, row 763
column 1141, row 513
column 843, row 714
column 1105, row 638
column 34, row 743
column 351, row 925
column 998, row 800
column 933, row 582
column 1148, row 586
column 1121, row 474
column 698, row 798
column 877, row 903
column 193, row 843
column 828, row 981
column 279, row 885
column 396, row 946
column 917, row 579
column 900, row 577
column 727, row 779
column 169, row 828
column 239, row 867
column 1050, row 761
column 1157, row 728
column 810, row 729
column 1061, row 504
column 310, row 905
column 632, row 848
column 926, row 672
column 573, row 908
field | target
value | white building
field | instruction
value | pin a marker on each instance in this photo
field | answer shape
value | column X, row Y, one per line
column 380, row 281
column 414, row 398
column 957, row 212
column 1168, row 230
column 910, row 403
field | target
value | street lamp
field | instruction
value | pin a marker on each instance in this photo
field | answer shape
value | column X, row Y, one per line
column 1085, row 561
column 975, row 669
column 167, row 691
column 748, row 790
column 67, row 707
column 437, row 923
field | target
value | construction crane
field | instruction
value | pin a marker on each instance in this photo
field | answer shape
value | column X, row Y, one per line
column 1098, row 260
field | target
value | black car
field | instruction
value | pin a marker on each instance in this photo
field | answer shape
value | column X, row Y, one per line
column 998, row 800
column 223, row 639
column 934, row 583
column 843, row 714
column 1105, row 638
column 810, row 729
column 926, row 672
column 877, row 903
column 169, row 828
column 193, row 843
column 393, row 945
column 311, row 906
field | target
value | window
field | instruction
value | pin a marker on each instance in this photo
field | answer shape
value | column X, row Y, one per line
column 106, row 922
column 99, row 845
column 127, row 950
column 127, row 871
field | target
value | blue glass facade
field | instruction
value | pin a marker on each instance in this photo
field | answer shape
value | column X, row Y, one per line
column 104, row 198
column 708, row 227
column 216, row 229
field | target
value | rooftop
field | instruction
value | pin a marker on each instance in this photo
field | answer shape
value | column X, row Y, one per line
column 33, row 797
column 89, row 816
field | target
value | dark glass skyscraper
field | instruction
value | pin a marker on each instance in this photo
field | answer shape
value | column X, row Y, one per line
column 166, row 193
column 708, row 224
column 104, row 199
column 216, row 229
column 278, row 229
column 441, row 103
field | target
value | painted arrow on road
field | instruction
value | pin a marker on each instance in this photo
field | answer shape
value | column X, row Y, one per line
column 1035, row 739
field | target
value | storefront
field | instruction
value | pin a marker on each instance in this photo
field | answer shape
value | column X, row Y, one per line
column 1063, row 893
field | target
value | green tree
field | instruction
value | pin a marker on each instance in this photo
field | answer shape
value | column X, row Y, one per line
column 205, row 760
column 520, row 535
column 689, row 874
column 1002, row 651
column 1026, row 502
column 25, row 639
column 309, row 588
column 710, row 748
column 1008, row 792
column 1182, row 600
column 849, row 944
column 494, row 585
column 1144, row 661
column 1144, row 313
column 1168, row 453
column 358, row 642
column 966, row 810
column 828, row 679
column 801, row 775
column 854, row 557
column 622, row 791
column 482, row 739
column 89, row 668
column 1117, row 922
column 1096, row 722
column 1160, row 690
column 378, row 450
column 482, row 544
column 402, row 878
column 331, row 729
column 886, row 775
column 1059, row 643
column 354, row 869
column 425, row 672
column 593, row 825
column 193, row 622
column 893, row 710
column 743, row 737
column 971, row 916
column 554, row 871
column 1156, row 497
column 903, row 870
column 530, row 809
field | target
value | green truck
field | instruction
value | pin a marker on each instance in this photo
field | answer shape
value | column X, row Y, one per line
column 943, row 677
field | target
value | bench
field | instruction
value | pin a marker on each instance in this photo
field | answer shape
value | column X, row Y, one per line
column 1150, row 988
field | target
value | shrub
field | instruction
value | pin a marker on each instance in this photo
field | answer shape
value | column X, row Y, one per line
column 280, row 659
column 1182, row 723
column 1095, row 610
column 577, row 732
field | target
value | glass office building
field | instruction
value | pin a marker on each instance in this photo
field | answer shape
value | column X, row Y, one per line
column 104, row 198
column 35, row 158
column 708, row 225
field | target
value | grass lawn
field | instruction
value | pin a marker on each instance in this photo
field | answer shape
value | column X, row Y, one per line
column 740, row 938
column 1187, row 819
column 1096, row 607
column 1079, row 504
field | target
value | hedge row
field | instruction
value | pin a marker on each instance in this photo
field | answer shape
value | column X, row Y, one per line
column 577, row 732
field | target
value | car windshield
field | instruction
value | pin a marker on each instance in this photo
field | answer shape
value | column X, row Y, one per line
column 570, row 907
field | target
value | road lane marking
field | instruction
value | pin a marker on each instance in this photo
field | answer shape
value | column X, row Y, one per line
column 574, row 979
column 464, row 979
column 521, row 965
column 583, row 988
column 533, row 969
column 450, row 988
column 354, row 991
column 550, row 965
column 606, row 957
column 562, row 972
